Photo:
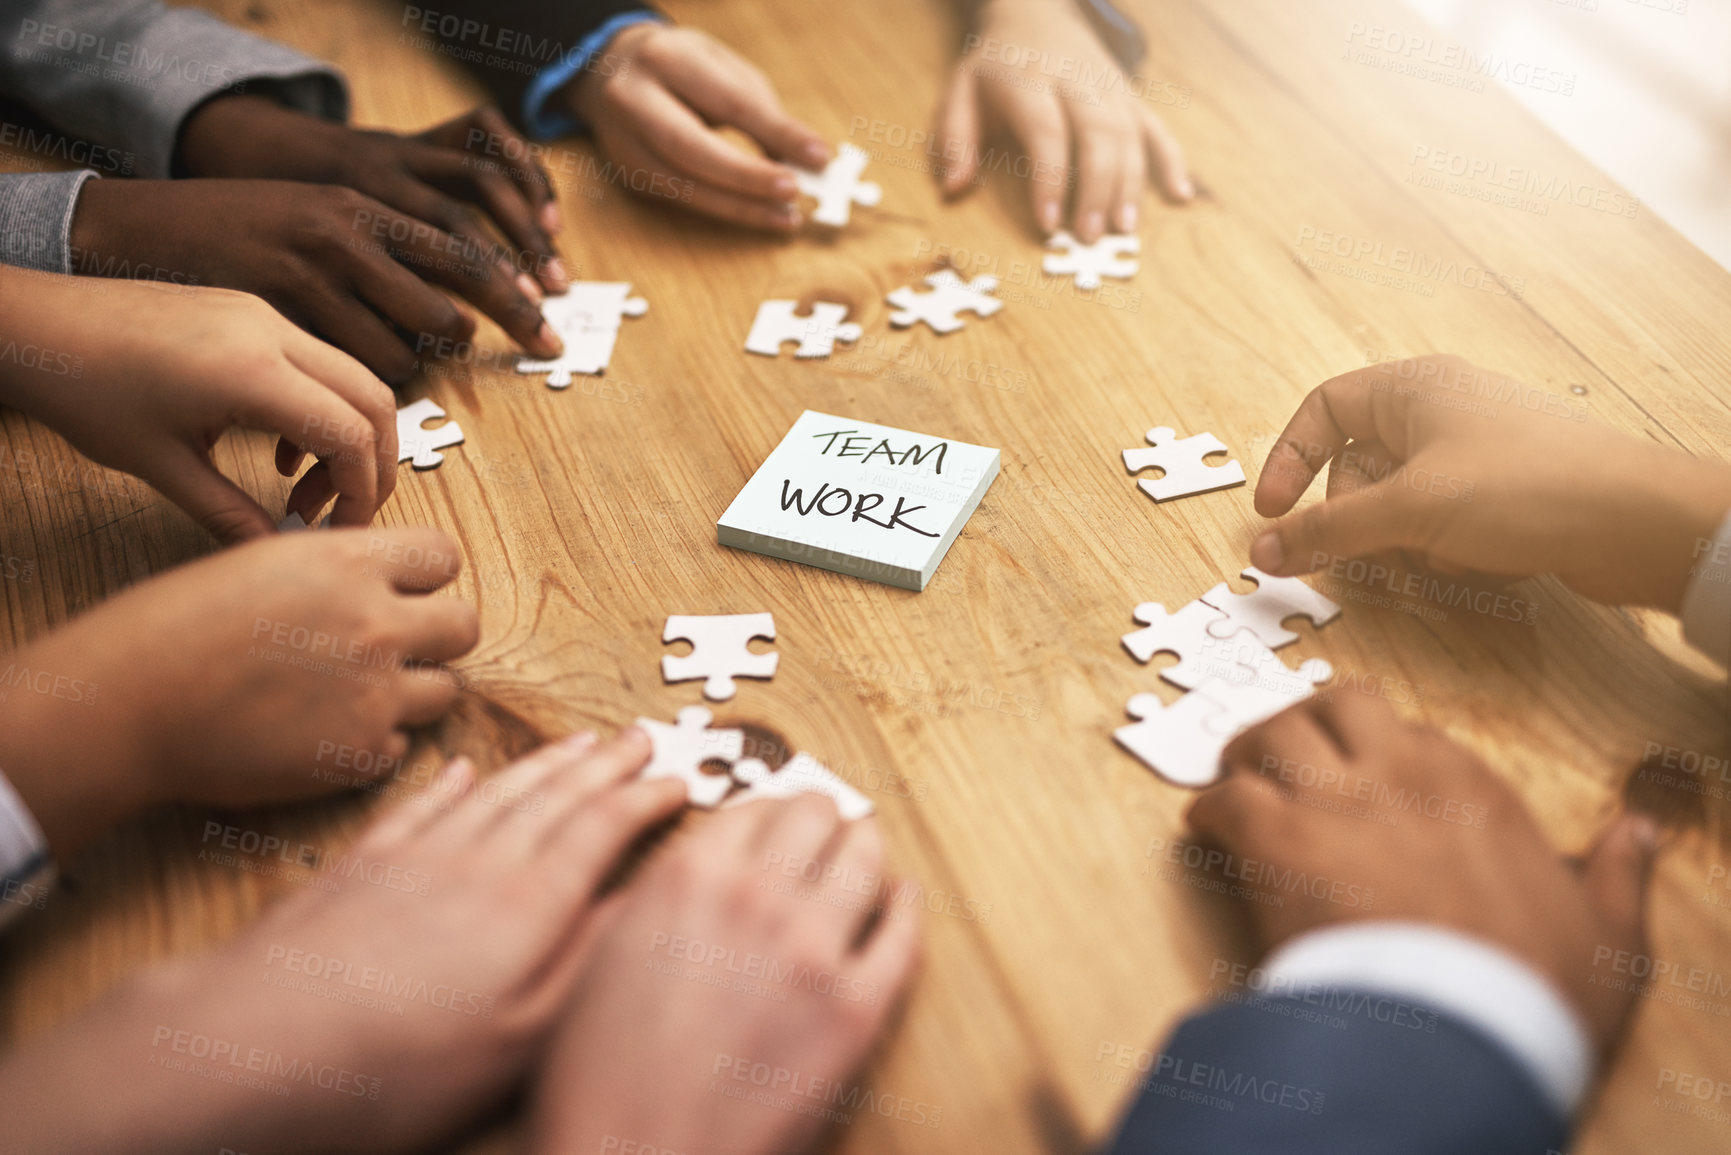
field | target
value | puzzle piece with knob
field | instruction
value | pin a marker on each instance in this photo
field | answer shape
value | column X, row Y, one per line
column 838, row 187
column 681, row 750
column 1181, row 460
column 816, row 332
column 941, row 308
column 720, row 650
column 587, row 317
column 802, row 774
column 1107, row 257
column 418, row 445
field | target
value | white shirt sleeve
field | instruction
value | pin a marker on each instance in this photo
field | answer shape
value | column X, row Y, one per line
column 26, row 869
column 1706, row 610
column 1454, row 974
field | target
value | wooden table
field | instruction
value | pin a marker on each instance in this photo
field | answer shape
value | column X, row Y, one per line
column 979, row 712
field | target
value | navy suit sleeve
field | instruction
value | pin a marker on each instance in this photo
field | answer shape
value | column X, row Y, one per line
column 507, row 43
column 1364, row 1076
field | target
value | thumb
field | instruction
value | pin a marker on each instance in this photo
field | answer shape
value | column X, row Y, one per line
column 959, row 131
column 1616, row 872
column 1350, row 525
column 190, row 481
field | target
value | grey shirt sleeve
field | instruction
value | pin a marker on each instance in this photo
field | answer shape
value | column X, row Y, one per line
column 36, row 218
column 127, row 72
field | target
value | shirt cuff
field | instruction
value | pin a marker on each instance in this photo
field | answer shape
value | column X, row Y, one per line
column 1465, row 978
column 544, row 123
column 36, row 218
column 26, row 869
column 1706, row 612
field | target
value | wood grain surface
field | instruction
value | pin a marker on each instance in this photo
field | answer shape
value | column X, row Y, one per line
column 978, row 713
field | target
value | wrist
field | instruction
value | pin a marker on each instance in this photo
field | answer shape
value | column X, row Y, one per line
column 607, row 62
column 71, row 748
column 247, row 135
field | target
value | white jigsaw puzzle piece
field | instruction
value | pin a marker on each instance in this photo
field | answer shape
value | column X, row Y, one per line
column 817, row 334
column 680, row 751
column 1181, row 458
column 949, row 297
column 295, row 523
column 421, row 446
column 802, row 774
column 1106, row 257
column 1273, row 601
column 1184, row 633
column 1242, row 659
column 592, row 305
column 587, row 317
column 587, row 352
column 839, row 187
column 720, row 651
column 1176, row 741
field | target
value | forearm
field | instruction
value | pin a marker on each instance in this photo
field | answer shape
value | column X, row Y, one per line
column 510, row 43
column 128, row 74
column 133, row 1074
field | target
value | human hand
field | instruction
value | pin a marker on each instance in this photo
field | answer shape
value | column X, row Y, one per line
column 332, row 260
column 1459, row 467
column 657, row 1016
column 1444, row 841
column 441, row 176
column 1111, row 138
column 166, row 370
column 229, row 681
column 654, row 107
column 463, row 923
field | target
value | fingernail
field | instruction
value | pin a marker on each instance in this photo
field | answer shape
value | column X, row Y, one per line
column 785, row 188
column 1266, row 554
column 556, row 272
column 1127, row 217
column 1185, row 188
column 1092, row 225
column 550, row 219
column 1049, row 216
column 550, row 340
column 527, row 286
column 581, row 740
column 791, row 217
column 455, row 772
column 815, row 154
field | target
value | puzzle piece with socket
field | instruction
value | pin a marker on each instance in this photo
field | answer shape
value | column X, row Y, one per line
column 1181, row 459
column 1262, row 611
column 680, row 751
column 1226, row 660
column 421, row 446
column 1174, row 741
column 1189, row 634
column 802, row 774
column 1183, row 742
column 816, row 333
column 950, row 296
column 1106, row 257
column 295, row 523
column 839, row 187
column 1183, row 633
column 720, row 650
column 587, row 317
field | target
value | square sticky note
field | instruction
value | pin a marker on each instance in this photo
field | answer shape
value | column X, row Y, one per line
column 862, row 499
